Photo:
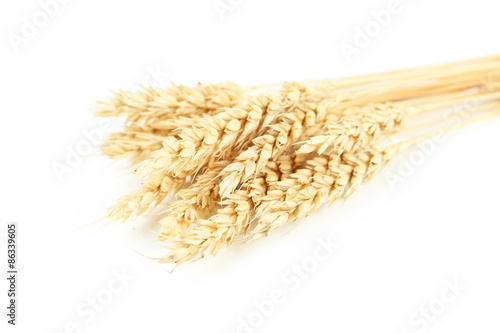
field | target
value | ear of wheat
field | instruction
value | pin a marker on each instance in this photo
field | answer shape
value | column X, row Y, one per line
column 244, row 161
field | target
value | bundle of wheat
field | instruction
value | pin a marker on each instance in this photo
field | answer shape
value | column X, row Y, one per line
column 245, row 161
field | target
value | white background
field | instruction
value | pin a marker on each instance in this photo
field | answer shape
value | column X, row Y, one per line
column 398, row 244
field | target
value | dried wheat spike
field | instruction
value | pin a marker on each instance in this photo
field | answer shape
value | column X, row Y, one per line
column 133, row 145
column 308, row 111
column 325, row 180
column 151, row 104
column 196, row 202
column 208, row 235
column 357, row 128
column 140, row 200
column 213, row 233
column 137, row 142
column 193, row 147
